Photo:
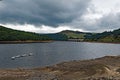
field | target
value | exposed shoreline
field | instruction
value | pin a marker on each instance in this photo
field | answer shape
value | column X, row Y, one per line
column 22, row 42
column 105, row 68
column 48, row 41
column 96, row 42
column 103, row 42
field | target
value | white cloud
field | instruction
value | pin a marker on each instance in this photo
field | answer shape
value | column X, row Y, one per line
column 40, row 29
column 107, row 6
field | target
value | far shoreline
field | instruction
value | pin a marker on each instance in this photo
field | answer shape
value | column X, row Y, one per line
column 22, row 42
column 103, row 42
column 96, row 42
column 49, row 41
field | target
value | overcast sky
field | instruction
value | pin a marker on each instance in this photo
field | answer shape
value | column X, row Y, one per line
column 50, row 16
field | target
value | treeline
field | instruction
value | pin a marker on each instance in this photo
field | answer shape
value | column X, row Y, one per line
column 107, row 36
column 7, row 34
column 73, row 34
column 111, row 36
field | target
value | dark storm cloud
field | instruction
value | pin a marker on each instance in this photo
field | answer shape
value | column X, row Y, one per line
column 38, row 12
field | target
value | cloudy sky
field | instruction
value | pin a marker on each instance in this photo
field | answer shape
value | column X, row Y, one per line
column 50, row 16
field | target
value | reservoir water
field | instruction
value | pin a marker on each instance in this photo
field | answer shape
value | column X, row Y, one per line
column 45, row 54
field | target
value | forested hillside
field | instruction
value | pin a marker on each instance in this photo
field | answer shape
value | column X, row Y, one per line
column 7, row 34
column 111, row 36
column 107, row 36
column 73, row 34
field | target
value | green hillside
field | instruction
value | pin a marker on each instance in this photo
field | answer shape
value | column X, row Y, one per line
column 73, row 34
column 111, row 36
column 66, row 35
column 7, row 34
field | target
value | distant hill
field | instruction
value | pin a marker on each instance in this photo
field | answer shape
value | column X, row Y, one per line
column 73, row 34
column 7, row 34
column 111, row 36
column 66, row 35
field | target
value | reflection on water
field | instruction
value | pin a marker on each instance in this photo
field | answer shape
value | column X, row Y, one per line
column 51, row 53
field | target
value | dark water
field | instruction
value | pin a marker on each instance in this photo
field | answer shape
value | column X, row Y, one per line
column 52, row 53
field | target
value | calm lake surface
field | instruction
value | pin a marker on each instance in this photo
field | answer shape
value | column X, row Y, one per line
column 45, row 54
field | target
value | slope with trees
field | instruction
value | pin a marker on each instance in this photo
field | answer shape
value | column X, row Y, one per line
column 110, row 36
column 7, row 34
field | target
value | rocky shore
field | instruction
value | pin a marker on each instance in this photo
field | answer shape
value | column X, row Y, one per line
column 105, row 68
